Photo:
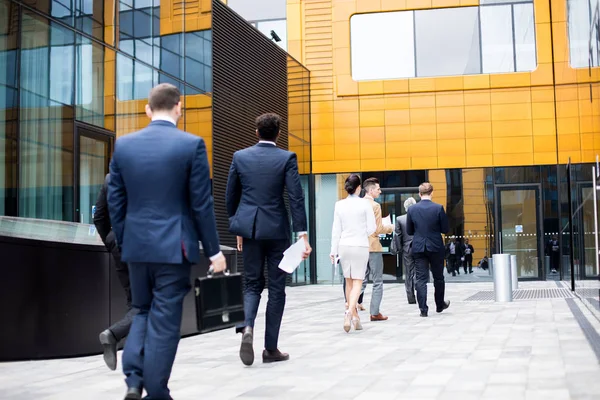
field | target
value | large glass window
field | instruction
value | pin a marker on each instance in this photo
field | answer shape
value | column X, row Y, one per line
column 8, row 106
column 46, row 120
column 579, row 16
column 495, row 37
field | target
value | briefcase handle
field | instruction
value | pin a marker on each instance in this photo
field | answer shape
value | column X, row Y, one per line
column 211, row 272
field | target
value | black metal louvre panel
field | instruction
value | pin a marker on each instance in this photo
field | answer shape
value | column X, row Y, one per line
column 249, row 79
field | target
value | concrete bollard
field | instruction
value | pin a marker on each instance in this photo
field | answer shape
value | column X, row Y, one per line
column 502, row 278
column 514, row 273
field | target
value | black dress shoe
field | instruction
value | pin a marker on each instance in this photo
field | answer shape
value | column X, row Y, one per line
column 423, row 313
column 412, row 300
column 247, row 349
column 446, row 305
column 133, row 394
column 109, row 343
column 270, row 356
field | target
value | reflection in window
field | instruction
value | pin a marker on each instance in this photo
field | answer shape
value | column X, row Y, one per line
column 466, row 40
column 579, row 19
column 134, row 79
column 452, row 48
column 46, row 126
column 84, row 15
column 89, row 81
column 8, row 106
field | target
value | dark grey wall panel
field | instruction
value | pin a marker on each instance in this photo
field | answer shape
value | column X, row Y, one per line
column 249, row 79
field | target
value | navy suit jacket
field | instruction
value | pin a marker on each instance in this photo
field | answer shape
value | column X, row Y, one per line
column 426, row 221
column 159, row 196
column 257, row 178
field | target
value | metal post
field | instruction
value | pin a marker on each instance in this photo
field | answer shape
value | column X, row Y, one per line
column 514, row 275
column 502, row 281
column 572, row 233
column 595, row 181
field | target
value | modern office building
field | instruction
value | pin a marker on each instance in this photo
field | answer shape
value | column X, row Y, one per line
column 489, row 100
column 75, row 76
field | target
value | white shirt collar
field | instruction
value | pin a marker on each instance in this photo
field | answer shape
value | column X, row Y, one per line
column 164, row 118
column 268, row 142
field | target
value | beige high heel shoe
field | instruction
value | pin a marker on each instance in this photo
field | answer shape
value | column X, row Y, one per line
column 357, row 324
column 347, row 318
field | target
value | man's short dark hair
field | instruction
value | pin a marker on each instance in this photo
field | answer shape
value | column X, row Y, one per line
column 163, row 97
column 425, row 189
column 368, row 184
column 267, row 126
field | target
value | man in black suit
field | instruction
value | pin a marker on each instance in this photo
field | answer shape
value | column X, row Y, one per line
column 120, row 329
column 258, row 216
column 426, row 221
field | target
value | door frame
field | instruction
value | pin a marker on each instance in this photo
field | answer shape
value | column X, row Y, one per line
column 581, row 236
column 399, row 259
column 93, row 132
column 540, row 226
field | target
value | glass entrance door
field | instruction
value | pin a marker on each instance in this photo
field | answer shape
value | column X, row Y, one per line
column 392, row 204
column 93, row 148
column 519, row 231
column 587, row 244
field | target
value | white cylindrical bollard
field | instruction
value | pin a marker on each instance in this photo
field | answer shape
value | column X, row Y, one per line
column 514, row 274
column 502, row 281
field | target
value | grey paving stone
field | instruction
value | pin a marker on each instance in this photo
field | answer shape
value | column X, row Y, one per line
column 526, row 350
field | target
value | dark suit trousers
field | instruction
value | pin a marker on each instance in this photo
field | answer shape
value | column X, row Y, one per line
column 423, row 261
column 157, row 291
column 409, row 271
column 255, row 253
column 120, row 329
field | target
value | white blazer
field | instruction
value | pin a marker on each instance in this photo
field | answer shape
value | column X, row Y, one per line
column 353, row 223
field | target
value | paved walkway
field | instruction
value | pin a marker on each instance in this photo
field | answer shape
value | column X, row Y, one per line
column 528, row 349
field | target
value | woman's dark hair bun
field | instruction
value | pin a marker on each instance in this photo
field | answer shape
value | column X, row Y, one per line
column 352, row 182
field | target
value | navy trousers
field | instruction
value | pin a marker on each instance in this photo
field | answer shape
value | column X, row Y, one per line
column 255, row 253
column 157, row 291
column 423, row 261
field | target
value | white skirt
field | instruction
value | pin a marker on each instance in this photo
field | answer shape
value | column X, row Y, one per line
column 354, row 261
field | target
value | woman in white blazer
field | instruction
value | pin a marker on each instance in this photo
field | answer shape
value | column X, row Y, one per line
column 353, row 223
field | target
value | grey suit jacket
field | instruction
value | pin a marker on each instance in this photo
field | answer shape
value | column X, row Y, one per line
column 403, row 239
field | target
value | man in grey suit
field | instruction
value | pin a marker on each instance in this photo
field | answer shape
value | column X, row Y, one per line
column 402, row 241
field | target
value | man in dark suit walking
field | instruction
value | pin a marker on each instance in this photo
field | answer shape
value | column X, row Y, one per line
column 109, row 338
column 160, row 204
column 426, row 221
column 257, row 215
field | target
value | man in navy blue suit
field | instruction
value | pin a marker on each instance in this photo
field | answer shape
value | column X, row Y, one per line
column 258, row 216
column 426, row 221
column 160, row 204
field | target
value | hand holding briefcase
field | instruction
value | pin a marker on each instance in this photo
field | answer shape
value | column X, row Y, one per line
column 219, row 301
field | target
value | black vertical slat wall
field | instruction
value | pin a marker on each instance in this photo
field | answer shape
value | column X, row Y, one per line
column 249, row 79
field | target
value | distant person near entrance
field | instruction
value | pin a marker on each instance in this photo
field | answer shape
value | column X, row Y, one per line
column 402, row 242
column 468, row 251
column 553, row 250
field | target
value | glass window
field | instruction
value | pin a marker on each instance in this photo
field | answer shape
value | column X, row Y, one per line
column 524, row 37
column 8, row 106
column 466, row 40
column 382, row 45
column 46, row 121
column 579, row 22
column 497, row 39
column 198, row 60
column 452, row 48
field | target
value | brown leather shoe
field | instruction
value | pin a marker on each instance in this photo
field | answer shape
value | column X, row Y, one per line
column 378, row 317
column 274, row 356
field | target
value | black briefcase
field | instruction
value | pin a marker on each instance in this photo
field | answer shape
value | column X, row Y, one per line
column 219, row 301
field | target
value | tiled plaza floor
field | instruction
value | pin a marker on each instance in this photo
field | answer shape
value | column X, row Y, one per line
column 529, row 349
